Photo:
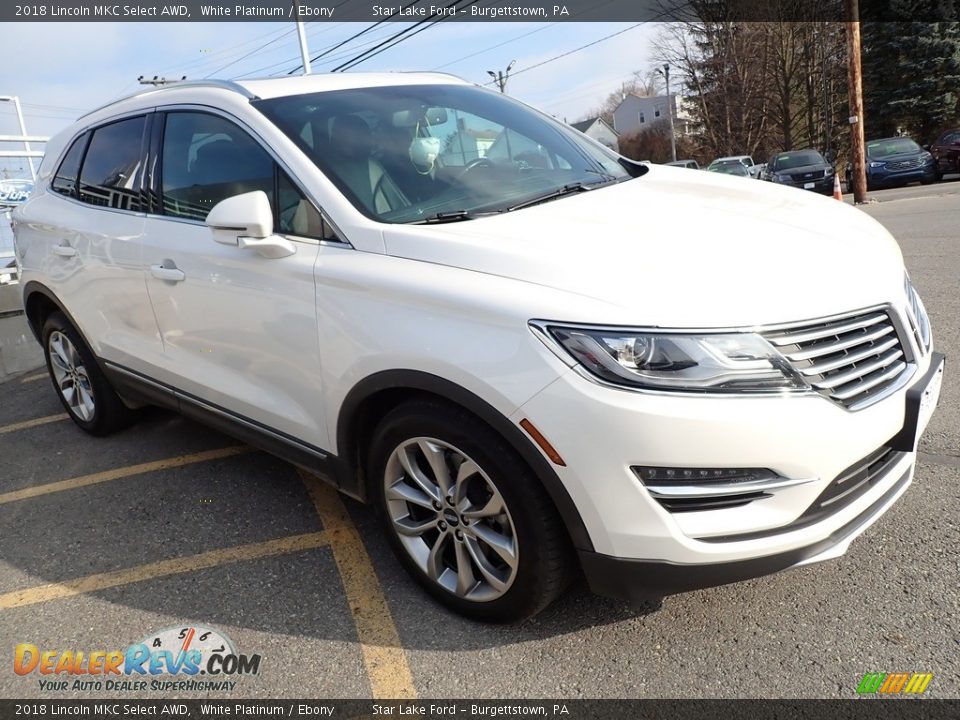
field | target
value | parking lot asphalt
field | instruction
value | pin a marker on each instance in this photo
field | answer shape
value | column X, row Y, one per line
column 104, row 542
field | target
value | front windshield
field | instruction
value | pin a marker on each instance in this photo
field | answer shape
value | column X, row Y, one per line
column 894, row 146
column 409, row 153
column 788, row 161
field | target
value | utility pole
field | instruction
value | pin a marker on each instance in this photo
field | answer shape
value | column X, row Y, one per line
column 855, row 82
column 302, row 37
column 673, row 138
column 501, row 76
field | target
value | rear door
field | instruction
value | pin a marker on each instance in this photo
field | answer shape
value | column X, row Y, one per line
column 239, row 330
column 93, row 220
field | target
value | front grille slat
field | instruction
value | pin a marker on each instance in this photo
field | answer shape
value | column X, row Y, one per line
column 849, row 340
column 831, row 382
column 828, row 330
column 851, row 359
column 868, row 384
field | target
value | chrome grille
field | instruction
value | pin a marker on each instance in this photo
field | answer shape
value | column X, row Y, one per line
column 851, row 360
column 815, row 175
column 904, row 164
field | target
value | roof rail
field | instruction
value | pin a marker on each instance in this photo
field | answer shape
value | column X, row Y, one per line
column 222, row 84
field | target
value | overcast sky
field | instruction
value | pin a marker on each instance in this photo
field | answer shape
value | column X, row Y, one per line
column 60, row 70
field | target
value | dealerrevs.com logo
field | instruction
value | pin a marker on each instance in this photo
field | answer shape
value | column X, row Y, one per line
column 173, row 659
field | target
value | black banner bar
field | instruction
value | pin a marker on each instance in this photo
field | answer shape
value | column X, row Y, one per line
column 470, row 11
column 856, row 709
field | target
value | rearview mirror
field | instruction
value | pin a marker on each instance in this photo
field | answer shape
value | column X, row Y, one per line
column 248, row 215
column 427, row 116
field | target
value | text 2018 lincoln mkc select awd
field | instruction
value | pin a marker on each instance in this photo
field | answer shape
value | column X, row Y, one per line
column 532, row 356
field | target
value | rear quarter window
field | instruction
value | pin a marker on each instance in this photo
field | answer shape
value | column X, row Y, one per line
column 111, row 168
column 65, row 181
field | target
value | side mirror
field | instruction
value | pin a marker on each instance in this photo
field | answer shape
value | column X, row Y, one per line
column 247, row 215
column 926, row 147
column 246, row 221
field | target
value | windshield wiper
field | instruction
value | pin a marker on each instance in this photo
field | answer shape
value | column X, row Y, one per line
column 444, row 217
column 568, row 189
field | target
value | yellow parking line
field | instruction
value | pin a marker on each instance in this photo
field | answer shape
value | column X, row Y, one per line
column 163, row 568
column 31, row 378
column 118, row 473
column 383, row 655
column 32, row 423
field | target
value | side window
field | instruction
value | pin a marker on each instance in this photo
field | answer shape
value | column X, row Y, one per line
column 65, row 181
column 111, row 169
column 206, row 159
column 295, row 214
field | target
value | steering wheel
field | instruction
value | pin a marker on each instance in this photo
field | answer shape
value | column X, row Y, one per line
column 474, row 164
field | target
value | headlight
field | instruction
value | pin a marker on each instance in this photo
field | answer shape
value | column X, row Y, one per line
column 731, row 362
column 828, row 172
column 918, row 313
column 781, row 178
column 876, row 164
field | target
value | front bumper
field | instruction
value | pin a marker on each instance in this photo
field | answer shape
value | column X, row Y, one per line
column 888, row 179
column 636, row 580
column 824, row 186
column 641, row 549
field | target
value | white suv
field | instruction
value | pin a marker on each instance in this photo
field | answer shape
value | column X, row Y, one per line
column 530, row 354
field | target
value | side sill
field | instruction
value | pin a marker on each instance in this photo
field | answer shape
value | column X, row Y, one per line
column 138, row 387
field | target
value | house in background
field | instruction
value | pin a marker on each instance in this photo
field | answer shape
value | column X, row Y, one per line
column 635, row 113
column 600, row 131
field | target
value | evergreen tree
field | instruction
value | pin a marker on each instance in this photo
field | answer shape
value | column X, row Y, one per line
column 911, row 77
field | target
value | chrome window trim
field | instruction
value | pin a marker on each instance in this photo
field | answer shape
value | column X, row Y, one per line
column 211, row 110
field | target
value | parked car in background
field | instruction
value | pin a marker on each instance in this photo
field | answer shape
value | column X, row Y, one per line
column 895, row 161
column 752, row 168
column 804, row 169
column 946, row 153
column 729, row 167
column 421, row 323
column 691, row 164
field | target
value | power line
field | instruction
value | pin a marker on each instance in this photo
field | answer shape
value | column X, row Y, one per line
column 593, row 7
column 215, row 56
column 494, row 47
column 252, row 52
column 354, row 36
column 334, row 58
column 400, row 37
column 571, row 52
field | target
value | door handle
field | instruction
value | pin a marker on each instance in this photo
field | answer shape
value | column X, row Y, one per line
column 164, row 273
column 64, row 251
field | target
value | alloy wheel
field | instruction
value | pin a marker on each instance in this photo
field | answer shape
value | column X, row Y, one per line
column 70, row 376
column 451, row 518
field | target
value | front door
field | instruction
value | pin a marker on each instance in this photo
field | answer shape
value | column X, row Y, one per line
column 239, row 330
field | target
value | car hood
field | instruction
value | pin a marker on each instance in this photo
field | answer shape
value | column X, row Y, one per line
column 914, row 155
column 672, row 250
column 802, row 169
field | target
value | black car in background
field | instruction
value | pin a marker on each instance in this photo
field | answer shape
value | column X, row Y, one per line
column 946, row 152
column 896, row 161
column 804, row 169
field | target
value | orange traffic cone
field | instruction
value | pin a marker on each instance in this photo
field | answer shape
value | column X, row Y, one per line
column 837, row 192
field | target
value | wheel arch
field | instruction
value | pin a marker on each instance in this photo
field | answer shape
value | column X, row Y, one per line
column 371, row 398
column 39, row 302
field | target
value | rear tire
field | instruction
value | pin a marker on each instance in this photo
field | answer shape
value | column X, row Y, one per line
column 465, row 515
column 82, row 387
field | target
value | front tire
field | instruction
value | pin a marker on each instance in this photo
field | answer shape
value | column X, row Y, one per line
column 465, row 515
column 83, row 389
